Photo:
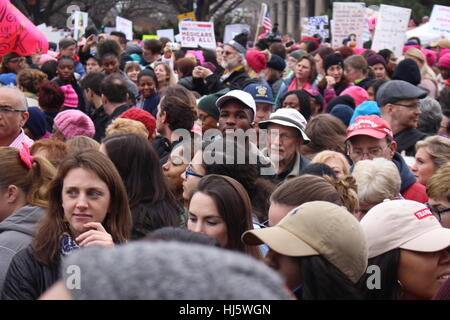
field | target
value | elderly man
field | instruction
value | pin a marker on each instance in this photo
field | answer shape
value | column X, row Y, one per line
column 398, row 101
column 231, row 72
column 371, row 137
column 285, row 136
column 13, row 116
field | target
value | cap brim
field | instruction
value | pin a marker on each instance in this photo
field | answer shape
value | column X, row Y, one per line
column 222, row 100
column 265, row 101
column 279, row 240
column 431, row 241
column 265, row 124
column 367, row 132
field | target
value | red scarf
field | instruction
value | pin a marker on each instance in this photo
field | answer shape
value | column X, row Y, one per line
column 447, row 83
column 293, row 86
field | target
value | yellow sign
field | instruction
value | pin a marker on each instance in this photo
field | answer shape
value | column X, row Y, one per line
column 149, row 36
column 188, row 16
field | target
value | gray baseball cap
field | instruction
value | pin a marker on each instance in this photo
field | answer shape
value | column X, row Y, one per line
column 396, row 90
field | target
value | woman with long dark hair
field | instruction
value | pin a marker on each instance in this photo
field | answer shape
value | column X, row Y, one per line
column 220, row 207
column 87, row 205
column 152, row 204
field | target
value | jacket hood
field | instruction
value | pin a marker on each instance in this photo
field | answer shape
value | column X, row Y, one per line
column 23, row 220
column 406, row 175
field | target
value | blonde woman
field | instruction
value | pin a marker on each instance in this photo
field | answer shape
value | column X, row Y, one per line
column 429, row 78
column 165, row 76
column 335, row 160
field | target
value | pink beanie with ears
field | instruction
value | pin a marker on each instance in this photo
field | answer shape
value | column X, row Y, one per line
column 357, row 93
column 74, row 123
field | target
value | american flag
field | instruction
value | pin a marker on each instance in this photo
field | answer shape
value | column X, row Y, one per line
column 267, row 23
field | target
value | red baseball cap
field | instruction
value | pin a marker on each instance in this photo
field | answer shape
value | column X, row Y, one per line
column 372, row 126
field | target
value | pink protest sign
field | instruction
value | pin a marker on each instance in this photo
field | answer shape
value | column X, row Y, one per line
column 18, row 34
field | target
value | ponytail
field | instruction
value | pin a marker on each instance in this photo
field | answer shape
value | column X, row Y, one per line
column 347, row 190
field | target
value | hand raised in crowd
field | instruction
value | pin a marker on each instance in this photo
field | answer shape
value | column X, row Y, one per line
column 89, row 42
column 96, row 236
column 330, row 81
column 167, row 51
column 201, row 72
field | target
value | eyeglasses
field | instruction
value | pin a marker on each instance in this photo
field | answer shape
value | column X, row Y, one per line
column 373, row 153
column 17, row 60
column 411, row 106
column 189, row 171
column 5, row 109
column 227, row 53
column 436, row 212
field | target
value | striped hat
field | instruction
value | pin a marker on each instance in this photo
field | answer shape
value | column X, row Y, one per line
column 70, row 96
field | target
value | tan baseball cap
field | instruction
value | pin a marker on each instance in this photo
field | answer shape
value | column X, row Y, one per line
column 318, row 228
column 403, row 224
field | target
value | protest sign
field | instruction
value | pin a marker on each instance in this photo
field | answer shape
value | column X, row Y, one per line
column 167, row 33
column 149, row 36
column 232, row 30
column 390, row 31
column 196, row 34
column 348, row 19
column 440, row 21
column 315, row 25
column 125, row 26
column 18, row 34
column 108, row 30
column 80, row 24
column 188, row 16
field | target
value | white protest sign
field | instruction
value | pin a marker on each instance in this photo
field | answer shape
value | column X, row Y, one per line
column 80, row 24
column 390, row 32
column 197, row 34
column 125, row 26
column 440, row 21
column 315, row 25
column 348, row 18
column 233, row 30
column 167, row 33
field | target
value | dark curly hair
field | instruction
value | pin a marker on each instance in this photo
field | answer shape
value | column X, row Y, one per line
column 51, row 97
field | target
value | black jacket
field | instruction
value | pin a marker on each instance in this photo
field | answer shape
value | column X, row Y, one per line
column 406, row 140
column 27, row 279
column 238, row 80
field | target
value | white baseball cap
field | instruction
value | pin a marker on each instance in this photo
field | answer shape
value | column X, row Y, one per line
column 403, row 224
column 244, row 97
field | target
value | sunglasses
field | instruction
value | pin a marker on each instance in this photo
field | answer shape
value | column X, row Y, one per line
column 189, row 171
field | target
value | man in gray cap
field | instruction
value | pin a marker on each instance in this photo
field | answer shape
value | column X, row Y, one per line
column 286, row 133
column 398, row 101
column 231, row 72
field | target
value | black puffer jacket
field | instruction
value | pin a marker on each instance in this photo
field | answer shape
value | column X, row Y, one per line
column 27, row 279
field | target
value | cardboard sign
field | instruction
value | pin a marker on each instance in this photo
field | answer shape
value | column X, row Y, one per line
column 18, row 34
column 196, row 34
column 167, row 33
column 390, row 32
column 440, row 21
column 125, row 26
column 188, row 16
column 348, row 19
column 315, row 25
column 80, row 24
column 233, row 30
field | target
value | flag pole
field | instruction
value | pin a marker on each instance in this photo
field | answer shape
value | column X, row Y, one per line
column 261, row 14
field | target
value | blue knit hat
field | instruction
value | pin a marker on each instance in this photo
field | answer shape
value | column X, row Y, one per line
column 366, row 108
column 8, row 78
column 343, row 113
column 36, row 123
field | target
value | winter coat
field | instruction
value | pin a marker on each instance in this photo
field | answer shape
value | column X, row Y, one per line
column 16, row 234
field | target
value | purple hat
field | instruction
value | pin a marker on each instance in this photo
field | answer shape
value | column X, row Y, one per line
column 375, row 59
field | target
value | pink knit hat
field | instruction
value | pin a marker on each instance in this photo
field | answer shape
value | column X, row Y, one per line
column 444, row 61
column 257, row 60
column 357, row 93
column 198, row 54
column 70, row 96
column 46, row 57
column 74, row 123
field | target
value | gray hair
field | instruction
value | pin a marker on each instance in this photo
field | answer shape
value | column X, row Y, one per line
column 18, row 96
column 377, row 180
column 431, row 116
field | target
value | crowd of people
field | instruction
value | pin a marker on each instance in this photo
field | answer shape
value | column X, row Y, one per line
column 268, row 170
